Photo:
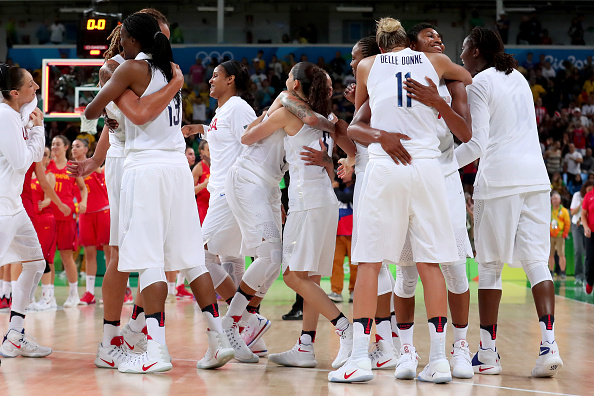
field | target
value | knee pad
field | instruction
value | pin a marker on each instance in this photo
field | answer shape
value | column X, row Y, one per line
column 269, row 281
column 191, row 274
column 255, row 275
column 536, row 271
column 217, row 273
column 35, row 266
column 407, row 277
column 149, row 276
column 235, row 267
column 490, row 275
column 385, row 281
column 455, row 276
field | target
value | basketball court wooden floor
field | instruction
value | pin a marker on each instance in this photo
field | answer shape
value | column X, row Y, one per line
column 74, row 333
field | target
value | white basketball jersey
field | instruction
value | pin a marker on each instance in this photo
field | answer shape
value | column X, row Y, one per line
column 310, row 186
column 361, row 159
column 266, row 158
column 447, row 159
column 393, row 111
column 164, row 132
column 117, row 137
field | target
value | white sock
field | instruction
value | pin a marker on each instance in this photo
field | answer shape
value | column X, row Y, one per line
column 342, row 324
column 138, row 324
column 547, row 335
column 406, row 335
column 16, row 323
column 155, row 331
column 486, row 340
column 214, row 324
column 306, row 339
column 73, row 289
column 45, row 291
column 109, row 333
column 128, row 283
column 12, row 287
column 460, row 333
column 384, row 330
column 4, row 288
column 360, row 342
column 180, row 280
column 438, row 339
column 91, row 284
column 51, row 292
column 171, row 288
column 238, row 305
column 394, row 325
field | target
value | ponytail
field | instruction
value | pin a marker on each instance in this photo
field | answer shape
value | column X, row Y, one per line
column 491, row 48
column 145, row 28
column 314, row 84
column 242, row 80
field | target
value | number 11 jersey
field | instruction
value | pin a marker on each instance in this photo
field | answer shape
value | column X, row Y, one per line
column 393, row 111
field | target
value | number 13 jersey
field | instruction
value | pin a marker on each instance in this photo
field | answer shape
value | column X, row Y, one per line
column 393, row 111
column 164, row 132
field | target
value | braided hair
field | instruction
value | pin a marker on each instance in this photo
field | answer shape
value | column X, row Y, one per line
column 114, row 45
column 368, row 46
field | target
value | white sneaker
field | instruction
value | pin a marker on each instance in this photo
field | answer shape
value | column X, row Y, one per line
column 259, row 348
column 17, row 343
column 382, row 354
column 171, row 298
column 437, row 371
column 156, row 359
column 255, row 328
column 43, row 305
column 549, row 362
column 219, row 351
column 242, row 352
column 486, row 361
column 352, row 371
column 406, row 368
column 301, row 355
column 461, row 362
column 346, row 346
column 113, row 355
column 133, row 342
column 52, row 303
column 71, row 301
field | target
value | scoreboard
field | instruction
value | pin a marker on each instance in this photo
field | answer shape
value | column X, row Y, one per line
column 92, row 38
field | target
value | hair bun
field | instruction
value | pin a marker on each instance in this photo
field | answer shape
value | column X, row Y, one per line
column 388, row 25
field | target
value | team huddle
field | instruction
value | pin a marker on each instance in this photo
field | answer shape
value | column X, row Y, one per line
column 411, row 102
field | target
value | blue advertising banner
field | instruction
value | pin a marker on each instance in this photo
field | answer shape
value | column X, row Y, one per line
column 553, row 54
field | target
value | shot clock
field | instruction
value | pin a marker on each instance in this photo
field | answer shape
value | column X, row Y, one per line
column 94, row 30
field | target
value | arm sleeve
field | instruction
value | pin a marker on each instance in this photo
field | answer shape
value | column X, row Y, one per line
column 479, row 109
column 20, row 152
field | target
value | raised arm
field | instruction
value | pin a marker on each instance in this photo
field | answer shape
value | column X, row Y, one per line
column 261, row 128
column 457, row 117
column 21, row 153
column 361, row 132
column 299, row 108
column 145, row 109
column 449, row 70
column 473, row 149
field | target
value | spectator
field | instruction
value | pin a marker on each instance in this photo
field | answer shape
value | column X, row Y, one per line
column 475, row 19
column 553, row 159
column 579, row 137
column 540, row 111
column 579, row 119
column 57, row 31
column 577, row 231
column 557, row 183
column 547, row 71
column 523, row 37
column 198, row 110
column 573, row 159
column 528, row 64
column 177, row 36
column 197, row 72
column 11, row 33
column 559, row 228
column 258, row 76
column 588, row 223
column 337, row 66
column 536, row 88
column 503, row 27
column 574, row 184
column 260, row 60
column 344, row 232
column 276, row 65
column 588, row 162
column 588, row 109
column 265, row 94
column 535, row 29
column 576, row 31
column 43, row 32
column 545, row 39
column 588, row 86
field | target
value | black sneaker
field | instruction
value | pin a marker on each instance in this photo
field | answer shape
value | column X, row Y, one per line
column 563, row 276
column 294, row 314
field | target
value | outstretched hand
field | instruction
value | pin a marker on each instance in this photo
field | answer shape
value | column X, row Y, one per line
column 428, row 95
column 81, row 168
